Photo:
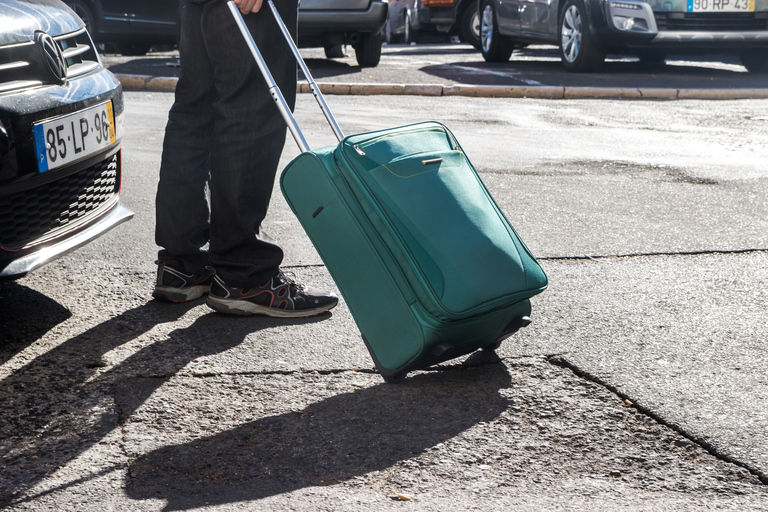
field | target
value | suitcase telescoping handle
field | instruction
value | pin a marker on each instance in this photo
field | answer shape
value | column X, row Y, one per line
column 274, row 90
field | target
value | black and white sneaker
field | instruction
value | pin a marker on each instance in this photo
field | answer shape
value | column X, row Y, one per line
column 279, row 297
column 175, row 285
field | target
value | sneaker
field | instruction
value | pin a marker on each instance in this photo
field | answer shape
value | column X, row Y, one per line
column 174, row 285
column 280, row 297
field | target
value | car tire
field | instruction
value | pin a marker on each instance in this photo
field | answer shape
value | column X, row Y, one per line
column 368, row 50
column 84, row 11
column 335, row 51
column 387, row 35
column 409, row 36
column 470, row 26
column 756, row 61
column 495, row 47
column 578, row 49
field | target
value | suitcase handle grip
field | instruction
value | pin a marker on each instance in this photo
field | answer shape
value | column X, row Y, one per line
column 274, row 90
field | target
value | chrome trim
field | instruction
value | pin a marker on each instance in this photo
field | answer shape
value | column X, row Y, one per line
column 28, row 263
column 82, row 68
column 70, row 34
column 14, row 65
column 19, row 84
column 74, row 51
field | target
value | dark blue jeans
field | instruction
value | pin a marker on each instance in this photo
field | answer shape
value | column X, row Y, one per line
column 223, row 142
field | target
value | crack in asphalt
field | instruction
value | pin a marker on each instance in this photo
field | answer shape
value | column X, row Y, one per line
column 559, row 360
column 596, row 257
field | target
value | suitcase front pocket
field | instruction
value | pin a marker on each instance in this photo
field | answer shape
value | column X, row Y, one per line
column 459, row 242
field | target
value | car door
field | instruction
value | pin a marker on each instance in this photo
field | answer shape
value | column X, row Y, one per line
column 508, row 16
column 534, row 16
column 395, row 15
column 141, row 16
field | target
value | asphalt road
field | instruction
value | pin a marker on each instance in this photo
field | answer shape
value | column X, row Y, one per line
column 639, row 386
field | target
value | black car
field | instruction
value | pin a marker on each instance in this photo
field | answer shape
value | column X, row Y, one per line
column 132, row 27
column 450, row 17
column 61, row 124
column 586, row 30
column 129, row 27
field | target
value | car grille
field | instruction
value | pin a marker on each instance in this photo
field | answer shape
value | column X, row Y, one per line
column 21, row 64
column 712, row 22
column 34, row 216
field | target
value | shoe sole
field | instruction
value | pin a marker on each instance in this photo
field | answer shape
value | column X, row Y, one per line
column 245, row 308
column 170, row 294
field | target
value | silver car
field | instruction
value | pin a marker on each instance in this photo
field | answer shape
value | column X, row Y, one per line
column 586, row 30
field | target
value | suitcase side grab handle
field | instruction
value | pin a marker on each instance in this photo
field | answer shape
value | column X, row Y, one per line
column 274, row 90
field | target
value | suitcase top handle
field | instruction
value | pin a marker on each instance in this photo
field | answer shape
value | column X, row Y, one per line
column 274, row 90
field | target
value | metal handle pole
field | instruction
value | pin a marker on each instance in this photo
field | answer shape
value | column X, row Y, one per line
column 274, row 90
column 304, row 69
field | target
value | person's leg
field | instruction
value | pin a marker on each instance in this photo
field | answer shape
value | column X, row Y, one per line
column 182, row 211
column 247, row 139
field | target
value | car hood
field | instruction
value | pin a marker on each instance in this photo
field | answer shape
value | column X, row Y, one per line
column 20, row 19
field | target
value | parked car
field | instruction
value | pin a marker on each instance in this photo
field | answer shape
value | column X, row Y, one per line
column 408, row 20
column 586, row 30
column 399, row 27
column 130, row 27
column 332, row 24
column 61, row 125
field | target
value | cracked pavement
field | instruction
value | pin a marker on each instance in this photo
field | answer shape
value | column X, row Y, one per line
column 639, row 386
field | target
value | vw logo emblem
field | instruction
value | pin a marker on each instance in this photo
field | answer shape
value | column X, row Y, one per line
column 53, row 59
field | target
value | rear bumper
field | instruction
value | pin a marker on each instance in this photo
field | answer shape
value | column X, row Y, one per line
column 21, row 266
column 316, row 22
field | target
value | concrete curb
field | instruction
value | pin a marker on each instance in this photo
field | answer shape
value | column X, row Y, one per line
column 168, row 84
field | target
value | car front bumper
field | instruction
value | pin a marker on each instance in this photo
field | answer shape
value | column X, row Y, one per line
column 21, row 266
column 635, row 24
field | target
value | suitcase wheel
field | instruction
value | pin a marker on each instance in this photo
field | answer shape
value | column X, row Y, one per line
column 395, row 378
column 511, row 329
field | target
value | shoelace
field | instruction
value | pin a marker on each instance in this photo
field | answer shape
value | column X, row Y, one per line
column 289, row 278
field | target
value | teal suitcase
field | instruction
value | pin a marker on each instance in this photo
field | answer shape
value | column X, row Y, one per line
column 427, row 263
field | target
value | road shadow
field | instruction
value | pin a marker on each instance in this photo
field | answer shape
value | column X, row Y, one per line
column 325, row 68
column 542, row 66
column 155, row 66
column 169, row 67
column 61, row 403
column 329, row 441
column 25, row 316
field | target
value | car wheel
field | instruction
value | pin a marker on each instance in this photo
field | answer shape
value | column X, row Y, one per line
column 408, row 34
column 578, row 50
column 756, row 61
column 470, row 25
column 495, row 47
column 334, row 52
column 368, row 50
column 82, row 10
